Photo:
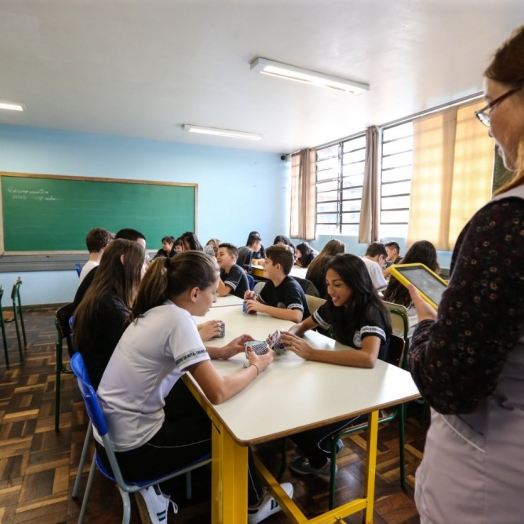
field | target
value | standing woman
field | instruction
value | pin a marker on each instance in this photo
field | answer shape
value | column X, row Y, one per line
column 468, row 359
column 103, row 314
column 316, row 271
column 151, row 434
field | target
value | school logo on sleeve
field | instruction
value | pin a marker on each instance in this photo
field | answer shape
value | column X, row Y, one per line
column 357, row 339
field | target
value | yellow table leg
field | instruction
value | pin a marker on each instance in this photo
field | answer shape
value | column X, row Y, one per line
column 229, row 478
column 372, row 466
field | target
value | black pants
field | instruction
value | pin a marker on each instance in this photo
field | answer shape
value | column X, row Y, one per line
column 184, row 438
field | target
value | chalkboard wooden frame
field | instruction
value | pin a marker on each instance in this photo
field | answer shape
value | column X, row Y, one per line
column 148, row 187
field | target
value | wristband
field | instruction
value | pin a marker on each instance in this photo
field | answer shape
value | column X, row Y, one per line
column 258, row 370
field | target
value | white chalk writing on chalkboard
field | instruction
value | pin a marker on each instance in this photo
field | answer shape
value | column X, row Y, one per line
column 22, row 194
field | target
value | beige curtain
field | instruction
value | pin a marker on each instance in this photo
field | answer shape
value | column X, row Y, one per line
column 452, row 174
column 369, row 211
column 303, row 195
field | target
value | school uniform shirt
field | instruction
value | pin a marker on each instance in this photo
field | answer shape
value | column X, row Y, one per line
column 162, row 253
column 84, row 286
column 288, row 295
column 245, row 258
column 354, row 338
column 375, row 272
column 236, row 279
column 88, row 266
column 152, row 355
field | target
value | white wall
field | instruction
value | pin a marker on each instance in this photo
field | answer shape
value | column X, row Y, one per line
column 238, row 190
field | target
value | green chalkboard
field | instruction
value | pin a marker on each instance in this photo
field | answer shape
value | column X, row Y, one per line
column 47, row 213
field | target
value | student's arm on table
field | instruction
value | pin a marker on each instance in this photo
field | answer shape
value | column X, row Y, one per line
column 209, row 329
column 223, row 289
column 300, row 328
column 231, row 349
column 359, row 358
column 295, row 315
column 217, row 388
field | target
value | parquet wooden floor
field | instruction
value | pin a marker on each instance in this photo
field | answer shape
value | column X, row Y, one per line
column 38, row 466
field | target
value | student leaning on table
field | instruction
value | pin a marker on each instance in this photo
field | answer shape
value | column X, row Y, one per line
column 281, row 297
column 359, row 320
column 468, row 359
column 152, row 437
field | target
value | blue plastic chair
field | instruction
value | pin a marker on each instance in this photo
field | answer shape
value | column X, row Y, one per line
column 96, row 417
column 251, row 282
column 78, row 268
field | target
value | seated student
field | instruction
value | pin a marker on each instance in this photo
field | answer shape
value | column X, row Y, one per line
column 359, row 320
column 281, row 297
column 259, row 255
column 245, row 253
column 305, row 254
column 96, row 241
column 168, row 248
column 316, row 272
column 393, row 250
column 103, row 314
column 160, row 345
column 232, row 278
column 211, row 248
column 191, row 242
column 423, row 252
column 178, row 246
column 123, row 234
column 374, row 259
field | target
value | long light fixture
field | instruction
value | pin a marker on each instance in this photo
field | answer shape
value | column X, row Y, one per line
column 297, row 74
column 221, row 132
column 12, row 106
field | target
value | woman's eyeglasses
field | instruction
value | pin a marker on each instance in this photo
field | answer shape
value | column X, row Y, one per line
column 484, row 116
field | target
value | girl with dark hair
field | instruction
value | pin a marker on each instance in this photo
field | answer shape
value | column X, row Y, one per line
column 153, row 435
column 178, row 246
column 305, row 254
column 422, row 252
column 360, row 320
column 102, row 315
column 316, row 271
column 284, row 241
column 254, row 236
column 191, row 242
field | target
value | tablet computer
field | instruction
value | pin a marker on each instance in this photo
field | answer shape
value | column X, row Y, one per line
column 429, row 284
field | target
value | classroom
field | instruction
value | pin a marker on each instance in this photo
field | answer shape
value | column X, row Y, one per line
column 110, row 92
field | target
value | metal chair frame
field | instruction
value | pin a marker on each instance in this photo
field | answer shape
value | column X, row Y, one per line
column 7, row 319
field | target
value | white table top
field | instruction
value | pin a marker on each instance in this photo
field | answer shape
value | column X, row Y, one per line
column 228, row 300
column 294, row 394
column 297, row 271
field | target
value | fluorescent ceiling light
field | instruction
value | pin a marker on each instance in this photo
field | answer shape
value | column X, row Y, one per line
column 297, row 74
column 13, row 106
column 221, row 132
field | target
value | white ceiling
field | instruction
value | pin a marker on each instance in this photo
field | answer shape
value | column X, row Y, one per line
column 142, row 68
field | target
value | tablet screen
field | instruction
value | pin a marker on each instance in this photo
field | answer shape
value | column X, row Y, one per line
column 424, row 281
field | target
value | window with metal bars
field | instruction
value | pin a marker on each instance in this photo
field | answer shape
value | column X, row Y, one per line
column 395, row 185
column 340, row 176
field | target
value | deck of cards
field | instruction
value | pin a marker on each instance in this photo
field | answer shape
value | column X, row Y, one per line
column 275, row 343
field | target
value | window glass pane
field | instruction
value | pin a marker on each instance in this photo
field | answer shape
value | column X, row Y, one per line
column 329, row 163
column 399, row 173
column 402, row 159
column 354, row 143
column 327, row 186
column 353, row 169
column 397, row 146
column 388, row 217
column 327, row 152
column 351, row 205
column 397, row 188
column 327, row 218
column 350, row 230
column 327, row 228
column 352, row 181
column 397, row 131
column 355, row 156
column 350, row 218
column 326, row 208
column 327, row 174
column 330, row 196
column 396, row 202
column 393, row 230
column 355, row 192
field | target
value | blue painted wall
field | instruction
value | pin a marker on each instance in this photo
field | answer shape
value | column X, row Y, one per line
column 238, row 190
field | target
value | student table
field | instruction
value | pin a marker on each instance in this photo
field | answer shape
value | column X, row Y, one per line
column 228, row 300
column 290, row 396
column 296, row 271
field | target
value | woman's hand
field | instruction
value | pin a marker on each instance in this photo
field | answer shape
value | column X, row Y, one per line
column 235, row 346
column 424, row 310
column 209, row 329
column 296, row 345
column 261, row 361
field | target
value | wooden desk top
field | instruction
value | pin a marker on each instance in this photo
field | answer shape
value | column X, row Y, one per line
column 294, row 394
